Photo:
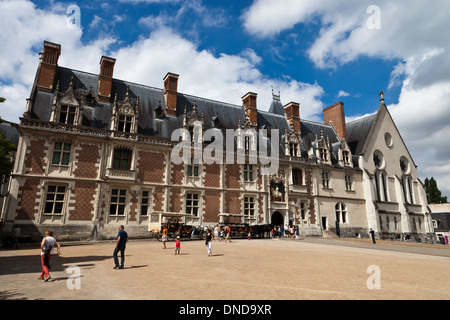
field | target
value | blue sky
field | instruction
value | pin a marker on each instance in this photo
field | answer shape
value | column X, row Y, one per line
column 217, row 26
column 315, row 52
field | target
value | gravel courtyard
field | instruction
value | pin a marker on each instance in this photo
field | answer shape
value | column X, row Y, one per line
column 265, row 269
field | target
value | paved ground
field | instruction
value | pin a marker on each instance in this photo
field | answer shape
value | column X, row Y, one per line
column 242, row 270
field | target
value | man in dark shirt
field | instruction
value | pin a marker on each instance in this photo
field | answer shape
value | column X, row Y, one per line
column 122, row 239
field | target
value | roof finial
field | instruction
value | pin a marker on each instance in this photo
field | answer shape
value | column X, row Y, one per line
column 381, row 96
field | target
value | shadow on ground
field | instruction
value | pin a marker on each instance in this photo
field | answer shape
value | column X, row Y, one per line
column 32, row 263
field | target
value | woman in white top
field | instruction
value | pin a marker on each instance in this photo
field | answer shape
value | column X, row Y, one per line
column 47, row 250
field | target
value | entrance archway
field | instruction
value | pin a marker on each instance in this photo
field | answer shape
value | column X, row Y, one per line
column 277, row 219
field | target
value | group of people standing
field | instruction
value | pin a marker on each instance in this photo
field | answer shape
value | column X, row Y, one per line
column 286, row 231
column 222, row 233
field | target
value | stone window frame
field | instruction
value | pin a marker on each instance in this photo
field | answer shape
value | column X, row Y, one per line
column 54, row 217
column 199, row 195
column 149, row 204
column 62, row 152
column 341, row 212
column 125, row 203
column 349, row 181
column 249, row 170
column 381, row 186
column 326, row 180
column 246, row 203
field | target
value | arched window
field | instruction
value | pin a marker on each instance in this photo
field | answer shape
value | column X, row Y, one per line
column 407, row 181
column 341, row 212
column 407, row 187
column 381, row 186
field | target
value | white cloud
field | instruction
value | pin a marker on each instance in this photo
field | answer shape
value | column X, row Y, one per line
column 14, row 106
column 224, row 77
column 412, row 32
column 216, row 76
column 342, row 93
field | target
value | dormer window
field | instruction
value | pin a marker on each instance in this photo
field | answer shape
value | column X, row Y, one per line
column 193, row 168
column 66, row 107
column 159, row 112
column 191, row 130
column 323, row 154
column 248, row 172
column 346, row 157
column 293, row 149
column 67, row 114
column 125, row 114
column 125, row 123
column 90, row 100
column 247, row 143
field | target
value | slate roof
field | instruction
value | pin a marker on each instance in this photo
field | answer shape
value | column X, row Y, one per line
column 358, row 132
column 215, row 113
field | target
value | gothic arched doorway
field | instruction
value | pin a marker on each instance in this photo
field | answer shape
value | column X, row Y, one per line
column 277, row 219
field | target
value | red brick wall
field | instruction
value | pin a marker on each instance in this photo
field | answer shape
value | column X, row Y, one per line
column 35, row 158
column 250, row 104
column 170, row 93
column 83, row 199
column 134, row 210
column 212, row 175
column 261, row 209
column 232, row 202
column 86, row 160
column 212, row 206
column 151, row 167
column 28, row 199
column 104, row 89
column 292, row 112
column 47, row 75
column 259, row 179
column 176, row 202
column 233, row 176
column 336, row 115
column 158, row 199
column 177, row 173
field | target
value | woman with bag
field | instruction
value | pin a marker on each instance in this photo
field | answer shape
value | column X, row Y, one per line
column 47, row 250
column 208, row 241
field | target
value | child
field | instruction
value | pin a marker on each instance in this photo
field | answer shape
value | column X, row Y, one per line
column 177, row 245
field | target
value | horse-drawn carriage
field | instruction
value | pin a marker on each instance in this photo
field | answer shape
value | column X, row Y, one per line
column 170, row 224
column 243, row 230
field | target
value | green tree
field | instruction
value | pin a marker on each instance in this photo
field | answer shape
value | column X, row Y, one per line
column 6, row 148
column 434, row 195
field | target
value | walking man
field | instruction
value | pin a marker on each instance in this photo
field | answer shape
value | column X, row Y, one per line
column 372, row 234
column 122, row 239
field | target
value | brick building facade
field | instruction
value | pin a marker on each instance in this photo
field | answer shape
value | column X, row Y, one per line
column 96, row 152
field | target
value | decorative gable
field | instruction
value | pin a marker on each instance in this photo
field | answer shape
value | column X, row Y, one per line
column 125, row 114
column 66, row 106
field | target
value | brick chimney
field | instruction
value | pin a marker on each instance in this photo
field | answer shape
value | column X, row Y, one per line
column 105, row 78
column 335, row 114
column 170, row 93
column 48, row 66
column 292, row 113
column 250, row 106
